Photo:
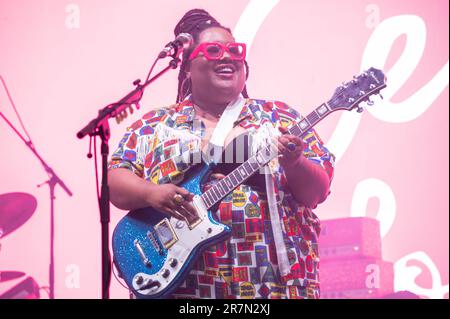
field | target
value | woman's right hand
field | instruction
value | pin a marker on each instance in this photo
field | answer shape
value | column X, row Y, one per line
column 162, row 198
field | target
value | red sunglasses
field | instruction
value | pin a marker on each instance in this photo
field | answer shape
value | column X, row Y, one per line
column 216, row 50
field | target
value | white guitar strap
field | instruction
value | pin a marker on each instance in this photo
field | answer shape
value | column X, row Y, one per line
column 277, row 230
column 223, row 127
column 266, row 133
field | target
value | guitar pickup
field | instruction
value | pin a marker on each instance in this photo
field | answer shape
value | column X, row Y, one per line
column 166, row 233
column 192, row 222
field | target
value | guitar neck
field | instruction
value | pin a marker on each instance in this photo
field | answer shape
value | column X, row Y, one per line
column 244, row 171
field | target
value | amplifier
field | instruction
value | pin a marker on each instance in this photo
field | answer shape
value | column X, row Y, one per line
column 350, row 237
column 356, row 277
column 353, row 294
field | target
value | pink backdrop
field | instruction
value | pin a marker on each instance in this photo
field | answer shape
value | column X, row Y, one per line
column 62, row 61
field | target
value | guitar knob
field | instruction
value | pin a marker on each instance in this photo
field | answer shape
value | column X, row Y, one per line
column 173, row 262
column 139, row 280
column 165, row 273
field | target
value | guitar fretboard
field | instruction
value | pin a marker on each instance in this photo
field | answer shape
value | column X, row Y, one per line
column 213, row 195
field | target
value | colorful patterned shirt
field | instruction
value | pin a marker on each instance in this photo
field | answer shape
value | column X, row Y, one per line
column 160, row 147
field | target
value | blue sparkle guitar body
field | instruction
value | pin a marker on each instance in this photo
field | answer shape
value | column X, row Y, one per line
column 154, row 252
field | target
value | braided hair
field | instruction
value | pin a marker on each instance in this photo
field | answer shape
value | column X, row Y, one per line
column 194, row 22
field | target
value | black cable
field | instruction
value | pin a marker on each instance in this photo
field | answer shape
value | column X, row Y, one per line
column 117, row 278
column 151, row 69
column 96, row 169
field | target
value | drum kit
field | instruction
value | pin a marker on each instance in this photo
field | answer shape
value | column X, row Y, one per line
column 15, row 210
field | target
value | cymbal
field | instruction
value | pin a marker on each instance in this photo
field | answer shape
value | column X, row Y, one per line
column 10, row 275
column 15, row 210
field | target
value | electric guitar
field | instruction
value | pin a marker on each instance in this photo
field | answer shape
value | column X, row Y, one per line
column 154, row 252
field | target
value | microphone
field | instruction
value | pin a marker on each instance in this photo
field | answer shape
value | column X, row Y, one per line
column 181, row 42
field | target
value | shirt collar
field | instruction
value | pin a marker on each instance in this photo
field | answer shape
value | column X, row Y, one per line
column 186, row 108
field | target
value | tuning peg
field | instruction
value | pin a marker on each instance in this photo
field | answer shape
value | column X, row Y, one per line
column 359, row 109
column 137, row 82
column 380, row 95
column 130, row 108
column 370, row 103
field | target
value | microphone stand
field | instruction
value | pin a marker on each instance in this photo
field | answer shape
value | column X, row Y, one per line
column 99, row 127
column 52, row 182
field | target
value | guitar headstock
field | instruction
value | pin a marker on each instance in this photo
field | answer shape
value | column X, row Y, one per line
column 350, row 94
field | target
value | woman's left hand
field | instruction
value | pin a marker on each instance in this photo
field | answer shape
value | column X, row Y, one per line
column 290, row 149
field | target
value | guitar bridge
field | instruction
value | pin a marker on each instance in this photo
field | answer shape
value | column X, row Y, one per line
column 141, row 253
